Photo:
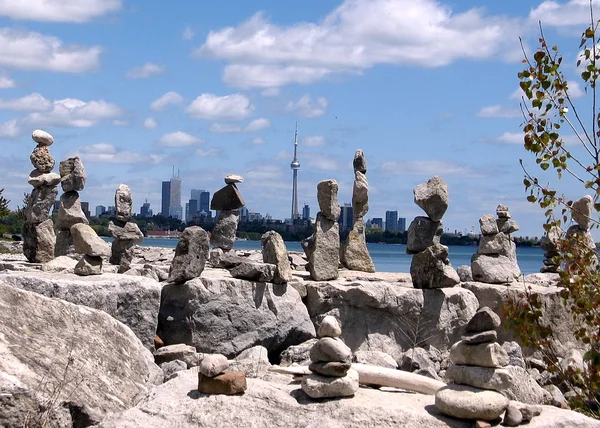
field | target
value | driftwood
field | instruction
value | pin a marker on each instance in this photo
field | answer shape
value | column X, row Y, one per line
column 374, row 375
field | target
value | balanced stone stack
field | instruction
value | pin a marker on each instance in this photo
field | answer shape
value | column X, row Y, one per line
column 475, row 359
column 191, row 254
column 73, row 177
column 332, row 375
column 496, row 259
column 322, row 248
column 228, row 201
column 93, row 248
column 126, row 233
column 581, row 213
column 355, row 255
column 430, row 266
column 275, row 252
column 212, row 378
column 38, row 231
column 550, row 245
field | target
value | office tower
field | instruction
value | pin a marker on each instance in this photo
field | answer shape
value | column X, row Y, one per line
column 306, row 212
column 377, row 223
column 85, row 207
column 295, row 165
column 244, row 215
column 203, row 198
column 166, row 198
column 191, row 210
column 175, row 208
column 100, row 209
column 391, row 221
column 111, row 211
column 401, row 224
column 145, row 210
column 345, row 218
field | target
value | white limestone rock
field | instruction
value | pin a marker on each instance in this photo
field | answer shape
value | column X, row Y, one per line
column 317, row 386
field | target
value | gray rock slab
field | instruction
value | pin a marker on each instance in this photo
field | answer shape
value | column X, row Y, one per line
column 488, row 225
column 224, row 232
column 432, row 197
column 422, row 233
column 254, row 271
column 324, row 252
column 123, row 202
column 275, row 252
column 72, row 174
column 483, row 354
column 355, row 254
column 133, row 300
column 329, row 327
column 39, row 241
column 39, row 203
column 88, row 265
column 375, row 358
column 431, row 268
column 494, row 269
column 317, row 386
column 86, row 241
column 327, row 196
column 180, row 351
column 69, row 211
column 330, row 349
column 498, row 243
column 465, row 402
column 190, row 255
column 37, row 178
column 484, row 319
column 581, row 211
column 227, row 198
column 360, row 162
column 213, row 365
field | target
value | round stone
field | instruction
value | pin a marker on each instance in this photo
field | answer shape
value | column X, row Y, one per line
column 465, row 402
column 329, row 327
column 316, row 386
column 42, row 137
column 233, row 178
column 330, row 349
column 213, row 365
column 41, row 159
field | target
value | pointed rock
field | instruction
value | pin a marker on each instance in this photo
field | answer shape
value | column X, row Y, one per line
column 432, row 197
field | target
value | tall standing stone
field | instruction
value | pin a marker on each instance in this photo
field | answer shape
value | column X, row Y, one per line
column 39, row 239
column 228, row 201
column 126, row 233
column 323, row 247
column 72, row 181
column 355, row 255
column 191, row 254
column 274, row 251
column 581, row 213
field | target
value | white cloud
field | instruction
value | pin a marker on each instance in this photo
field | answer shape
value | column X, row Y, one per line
column 150, row 123
column 356, row 36
column 188, row 33
column 57, row 10
column 10, row 129
column 499, row 111
column 74, row 113
column 31, row 102
column 178, row 139
column 208, row 152
column 305, row 107
column 108, row 153
column 120, row 122
column 428, row 168
column 258, row 125
column 34, row 51
column 213, row 107
column 147, row 70
column 314, row 141
column 98, row 148
column 574, row 12
column 270, row 92
column 322, row 161
column 166, row 100
column 6, row 82
column 257, row 141
column 511, row 138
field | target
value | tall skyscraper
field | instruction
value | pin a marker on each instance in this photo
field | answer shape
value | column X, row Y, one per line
column 306, row 212
column 85, row 207
column 391, row 221
column 100, row 209
column 175, row 208
column 192, row 210
column 145, row 210
column 295, row 165
column 402, row 224
column 203, row 198
column 346, row 217
column 166, row 198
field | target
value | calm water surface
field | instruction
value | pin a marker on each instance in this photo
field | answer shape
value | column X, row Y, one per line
column 393, row 258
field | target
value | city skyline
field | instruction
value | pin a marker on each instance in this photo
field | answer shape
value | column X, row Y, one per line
column 423, row 88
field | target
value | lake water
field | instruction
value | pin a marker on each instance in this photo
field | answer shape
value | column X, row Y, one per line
column 393, row 258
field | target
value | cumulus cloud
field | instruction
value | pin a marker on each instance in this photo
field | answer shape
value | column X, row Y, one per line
column 6, row 82
column 573, row 12
column 10, row 129
column 511, row 138
column 305, row 107
column 58, row 10
column 314, row 141
column 428, row 168
column 150, row 123
column 167, row 99
column 98, row 148
column 356, row 36
column 212, row 107
column 258, row 125
column 108, row 153
column 34, row 51
column 31, row 102
column 499, row 111
column 178, row 139
column 228, row 128
column 74, row 113
column 147, row 70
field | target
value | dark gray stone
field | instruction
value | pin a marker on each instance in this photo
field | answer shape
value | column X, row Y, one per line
column 190, row 255
column 223, row 234
column 72, row 174
column 254, row 271
column 39, row 241
column 484, row 320
column 431, row 268
column 422, row 233
column 39, row 203
column 227, row 199
column 327, row 196
column 331, row 368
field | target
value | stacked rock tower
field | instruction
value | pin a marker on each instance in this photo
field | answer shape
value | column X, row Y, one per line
column 496, row 259
column 430, row 266
column 228, row 201
column 581, row 213
column 213, row 379
column 93, row 248
column 38, row 230
column 550, row 245
column 331, row 364
column 126, row 233
column 355, row 255
column 322, row 248
column 72, row 181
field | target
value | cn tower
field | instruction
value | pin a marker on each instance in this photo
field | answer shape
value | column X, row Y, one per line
column 295, row 165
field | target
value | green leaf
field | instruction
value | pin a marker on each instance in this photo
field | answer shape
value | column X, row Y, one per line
column 586, row 75
column 531, row 198
column 544, row 166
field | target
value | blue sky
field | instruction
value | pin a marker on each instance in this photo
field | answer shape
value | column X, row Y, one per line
column 423, row 87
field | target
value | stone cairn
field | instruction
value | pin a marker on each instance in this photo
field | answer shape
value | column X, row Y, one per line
column 191, row 254
column 322, row 248
column 228, row 201
column 478, row 373
column 212, row 378
column 332, row 375
column 275, row 252
column 549, row 245
column 72, row 181
column 126, row 233
column 496, row 259
column 581, row 213
column 93, row 248
column 355, row 255
column 38, row 231
column 430, row 266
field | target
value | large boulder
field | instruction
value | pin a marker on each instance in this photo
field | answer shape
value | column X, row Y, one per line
column 277, row 402
column 39, row 203
column 72, row 174
column 275, row 252
column 66, row 365
column 190, row 254
column 223, row 234
column 133, row 300
column 39, row 241
column 494, row 268
column 123, row 202
column 69, row 211
column 219, row 314
column 422, row 233
column 388, row 317
column 432, row 197
column 86, row 241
